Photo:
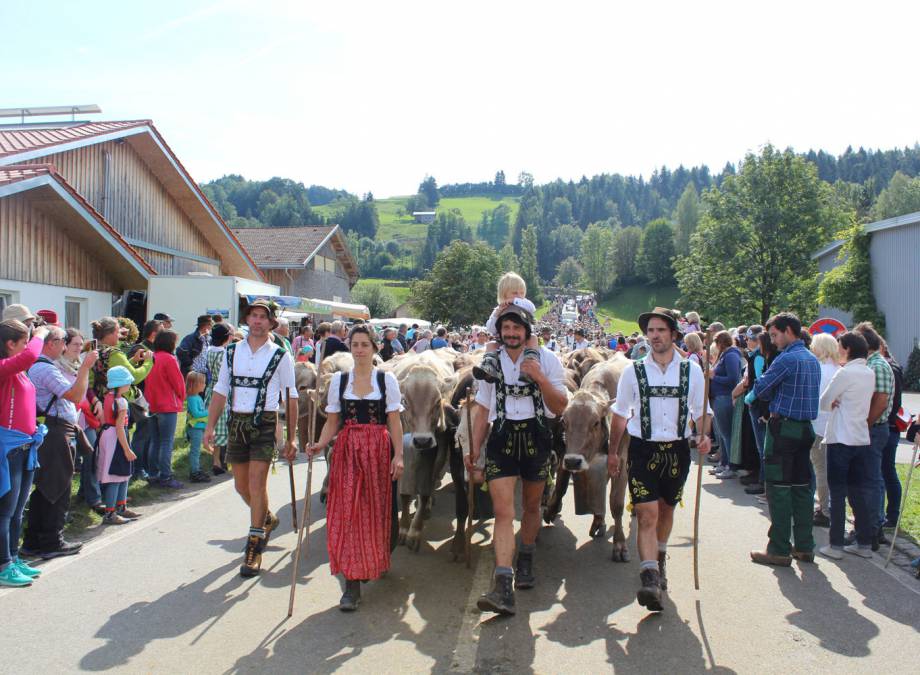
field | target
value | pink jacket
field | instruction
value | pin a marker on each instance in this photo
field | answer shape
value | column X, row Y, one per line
column 17, row 393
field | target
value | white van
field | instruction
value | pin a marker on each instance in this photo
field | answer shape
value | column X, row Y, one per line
column 569, row 316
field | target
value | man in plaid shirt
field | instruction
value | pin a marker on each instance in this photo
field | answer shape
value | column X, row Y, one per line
column 791, row 384
column 879, row 409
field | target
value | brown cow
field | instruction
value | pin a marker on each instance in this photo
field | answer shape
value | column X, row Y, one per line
column 587, row 428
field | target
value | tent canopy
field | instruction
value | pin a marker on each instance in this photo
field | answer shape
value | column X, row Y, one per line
column 314, row 306
column 397, row 322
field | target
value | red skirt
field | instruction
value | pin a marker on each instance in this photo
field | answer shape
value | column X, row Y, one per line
column 358, row 509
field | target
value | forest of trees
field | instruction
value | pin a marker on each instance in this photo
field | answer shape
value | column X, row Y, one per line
column 640, row 224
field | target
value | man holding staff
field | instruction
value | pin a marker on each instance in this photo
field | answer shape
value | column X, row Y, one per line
column 657, row 399
column 518, row 446
column 254, row 375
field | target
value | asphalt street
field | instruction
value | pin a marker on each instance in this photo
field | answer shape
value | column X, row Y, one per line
column 163, row 595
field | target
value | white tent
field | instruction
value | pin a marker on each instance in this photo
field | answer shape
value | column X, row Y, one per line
column 397, row 322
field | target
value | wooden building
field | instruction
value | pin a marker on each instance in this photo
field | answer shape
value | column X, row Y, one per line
column 308, row 262
column 89, row 211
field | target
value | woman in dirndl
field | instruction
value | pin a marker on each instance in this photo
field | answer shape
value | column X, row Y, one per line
column 363, row 414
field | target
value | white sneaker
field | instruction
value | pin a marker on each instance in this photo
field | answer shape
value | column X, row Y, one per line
column 762, row 499
column 855, row 549
column 831, row 552
column 728, row 473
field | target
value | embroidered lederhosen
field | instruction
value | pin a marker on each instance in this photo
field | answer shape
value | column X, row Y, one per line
column 658, row 470
column 518, row 447
column 252, row 434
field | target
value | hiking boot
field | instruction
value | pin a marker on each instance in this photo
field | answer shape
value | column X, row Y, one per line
column 351, row 598
column 523, row 572
column 25, row 569
column 252, row 560
column 764, row 558
column 11, row 576
column 114, row 518
column 649, row 595
column 820, row 520
column 489, row 369
column 533, row 355
column 271, row 523
column 501, row 598
column 804, row 556
column 662, row 570
column 127, row 513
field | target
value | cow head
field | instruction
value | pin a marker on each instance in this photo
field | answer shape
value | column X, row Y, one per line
column 424, row 406
column 586, row 430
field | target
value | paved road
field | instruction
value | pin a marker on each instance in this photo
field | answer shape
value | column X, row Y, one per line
column 163, row 595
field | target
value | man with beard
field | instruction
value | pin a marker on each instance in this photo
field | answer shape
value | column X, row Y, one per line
column 657, row 399
column 253, row 377
column 518, row 446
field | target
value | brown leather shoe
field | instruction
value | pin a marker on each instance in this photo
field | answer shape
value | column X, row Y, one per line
column 804, row 556
column 764, row 558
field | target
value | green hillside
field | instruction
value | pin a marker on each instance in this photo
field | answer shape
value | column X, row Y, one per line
column 398, row 289
column 396, row 224
column 628, row 303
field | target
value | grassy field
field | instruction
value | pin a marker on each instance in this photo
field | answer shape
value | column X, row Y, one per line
column 398, row 289
column 628, row 303
column 910, row 521
column 396, row 224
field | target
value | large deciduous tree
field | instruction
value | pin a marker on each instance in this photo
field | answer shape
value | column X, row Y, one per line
column 751, row 254
column 429, row 188
column 568, row 275
column 595, row 246
column 460, row 289
column 687, row 217
column 900, row 197
column 380, row 302
column 529, row 265
column 656, row 252
column 624, row 252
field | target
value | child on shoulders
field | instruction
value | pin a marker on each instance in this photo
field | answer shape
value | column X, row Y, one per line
column 512, row 290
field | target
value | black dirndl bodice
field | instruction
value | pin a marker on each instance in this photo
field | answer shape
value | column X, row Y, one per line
column 363, row 411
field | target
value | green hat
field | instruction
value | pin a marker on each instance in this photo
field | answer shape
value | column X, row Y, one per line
column 268, row 306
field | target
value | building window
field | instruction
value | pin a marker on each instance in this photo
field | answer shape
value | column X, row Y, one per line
column 330, row 265
column 319, row 263
column 8, row 298
column 74, row 311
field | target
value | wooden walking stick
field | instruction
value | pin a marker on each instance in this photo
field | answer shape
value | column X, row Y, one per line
column 910, row 473
column 703, row 431
column 291, row 426
column 307, row 498
column 468, row 547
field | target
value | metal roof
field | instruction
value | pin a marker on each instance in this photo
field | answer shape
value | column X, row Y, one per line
column 15, row 139
column 869, row 228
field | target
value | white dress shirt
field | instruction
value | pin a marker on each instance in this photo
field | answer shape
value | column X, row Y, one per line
column 247, row 364
column 521, row 408
column 394, row 397
column 663, row 411
column 581, row 344
column 852, row 386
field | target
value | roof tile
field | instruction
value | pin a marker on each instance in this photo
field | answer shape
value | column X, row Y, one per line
column 281, row 245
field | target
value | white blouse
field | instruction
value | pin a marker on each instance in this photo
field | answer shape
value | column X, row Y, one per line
column 394, row 397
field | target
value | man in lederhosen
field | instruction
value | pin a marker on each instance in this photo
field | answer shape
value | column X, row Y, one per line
column 253, row 377
column 519, row 446
column 657, row 399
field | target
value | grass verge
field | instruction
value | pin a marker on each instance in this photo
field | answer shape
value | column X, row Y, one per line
column 910, row 520
column 626, row 304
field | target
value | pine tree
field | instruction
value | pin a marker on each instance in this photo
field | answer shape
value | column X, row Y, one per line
column 529, row 265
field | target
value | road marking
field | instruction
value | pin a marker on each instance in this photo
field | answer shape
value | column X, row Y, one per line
column 128, row 530
column 468, row 636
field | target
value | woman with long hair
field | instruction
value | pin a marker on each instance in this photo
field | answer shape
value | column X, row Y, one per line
column 824, row 346
column 363, row 414
column 20, row 437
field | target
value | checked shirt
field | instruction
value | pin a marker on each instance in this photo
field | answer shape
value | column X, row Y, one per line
column 884, row 383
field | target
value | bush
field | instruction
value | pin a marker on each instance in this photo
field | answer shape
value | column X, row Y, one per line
column 912, row 374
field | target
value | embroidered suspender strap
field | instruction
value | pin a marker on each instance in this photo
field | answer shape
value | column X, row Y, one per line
column 646, row 393
column 503, row 391
column 252, row 382
column 231, row 350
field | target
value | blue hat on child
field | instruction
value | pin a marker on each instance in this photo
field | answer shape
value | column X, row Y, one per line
column 119, row 376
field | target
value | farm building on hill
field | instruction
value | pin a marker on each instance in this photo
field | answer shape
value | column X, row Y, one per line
column 308, row 262
column 895, row 257
column 92, row 210
column 423, row 217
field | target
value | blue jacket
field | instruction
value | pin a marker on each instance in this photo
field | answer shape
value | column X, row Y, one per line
column 727, row 373
column 10, row 439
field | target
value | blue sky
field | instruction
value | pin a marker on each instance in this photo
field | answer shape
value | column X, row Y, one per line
column 374, row 95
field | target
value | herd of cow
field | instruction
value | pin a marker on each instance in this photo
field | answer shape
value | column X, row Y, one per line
column 435, row 385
